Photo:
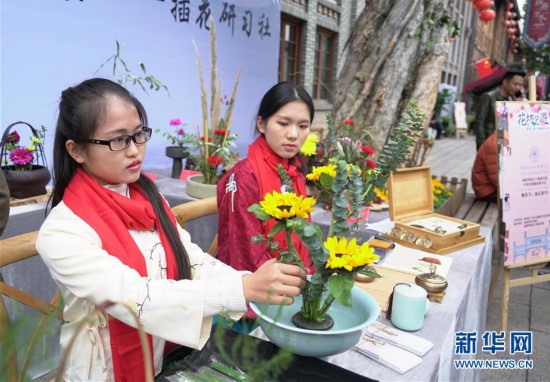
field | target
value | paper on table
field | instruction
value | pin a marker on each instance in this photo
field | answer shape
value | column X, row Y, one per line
column 411, row 260
column 382, row 226
column 407, row 341
column 386, row 354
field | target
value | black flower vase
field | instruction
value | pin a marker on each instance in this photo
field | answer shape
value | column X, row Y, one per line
column 28, row 183
column 177, row 153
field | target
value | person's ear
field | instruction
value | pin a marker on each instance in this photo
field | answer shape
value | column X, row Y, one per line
column 260, row 124
column 75, row 150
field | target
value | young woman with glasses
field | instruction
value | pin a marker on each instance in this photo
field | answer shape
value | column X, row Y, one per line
column 111, row 237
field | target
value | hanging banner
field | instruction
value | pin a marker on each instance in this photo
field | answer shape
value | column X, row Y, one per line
column 524, row 180
column 536, row 30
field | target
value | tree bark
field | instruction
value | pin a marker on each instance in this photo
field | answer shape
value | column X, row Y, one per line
column 395, row 52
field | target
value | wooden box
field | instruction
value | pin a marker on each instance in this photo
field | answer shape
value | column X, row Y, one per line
column 411, row 207
column 458, row 187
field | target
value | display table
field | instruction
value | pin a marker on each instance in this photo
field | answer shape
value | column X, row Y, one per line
column 463, row 309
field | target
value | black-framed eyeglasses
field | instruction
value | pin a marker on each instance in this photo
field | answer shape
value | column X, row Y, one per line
column 123, row 141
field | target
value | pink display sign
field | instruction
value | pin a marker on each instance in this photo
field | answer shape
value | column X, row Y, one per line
column 524, row 180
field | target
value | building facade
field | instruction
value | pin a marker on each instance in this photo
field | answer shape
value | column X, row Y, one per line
column 313, row 35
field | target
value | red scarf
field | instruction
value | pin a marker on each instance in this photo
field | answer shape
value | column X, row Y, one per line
column 264, row 162
column 111, row 215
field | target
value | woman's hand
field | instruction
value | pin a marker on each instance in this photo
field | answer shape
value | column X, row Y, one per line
column 274, row 283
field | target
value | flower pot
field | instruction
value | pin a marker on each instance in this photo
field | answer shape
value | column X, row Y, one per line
column 349, row 324
column 24, row 184
column 197, row 189
column 177, row 153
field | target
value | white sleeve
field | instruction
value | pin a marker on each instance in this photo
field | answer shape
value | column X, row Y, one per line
column 172, row 310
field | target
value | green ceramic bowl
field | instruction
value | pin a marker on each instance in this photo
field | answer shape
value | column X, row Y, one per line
column 349, row 324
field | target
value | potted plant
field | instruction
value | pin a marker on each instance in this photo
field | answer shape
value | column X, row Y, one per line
column 211, row 145
column 177, row 151
column 24, row 166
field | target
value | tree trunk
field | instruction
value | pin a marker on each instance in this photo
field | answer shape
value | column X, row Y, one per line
column 395, row 52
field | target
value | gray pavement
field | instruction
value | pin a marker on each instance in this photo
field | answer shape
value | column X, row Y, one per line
column 529, row 307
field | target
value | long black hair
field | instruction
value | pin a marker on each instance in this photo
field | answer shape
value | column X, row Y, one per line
column 278, row 96
column 81, row 110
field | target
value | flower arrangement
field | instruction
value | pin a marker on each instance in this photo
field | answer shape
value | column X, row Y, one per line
column 213, row 143
column 22, row 157
column 212, row 148
column 349, row 180
column 336, row 258
column 178, row 137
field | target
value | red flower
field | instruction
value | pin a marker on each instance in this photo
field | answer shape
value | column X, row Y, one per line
column 209, row 139
column 320, row 152
column 348, row 122
column 214, row 160
column 370, row 163
column 367, row 150
column 220, row 132
column 13, row 137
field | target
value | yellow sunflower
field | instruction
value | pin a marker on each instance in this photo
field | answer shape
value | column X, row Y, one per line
column 309, row 147
column 317, row 171
column 287, row 206
column 382, row 194
column 348, row 255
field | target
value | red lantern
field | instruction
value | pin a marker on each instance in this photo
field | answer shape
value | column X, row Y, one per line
column 487, row 15
column 509, row 6
column 507, row 15
column 484, row 4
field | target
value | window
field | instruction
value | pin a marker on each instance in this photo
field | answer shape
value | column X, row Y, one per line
column 289, row 58
column 324, row 53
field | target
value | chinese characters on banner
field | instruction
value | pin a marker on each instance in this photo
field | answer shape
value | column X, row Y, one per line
column 536, row 31
column 199, row 12
column 524, row 180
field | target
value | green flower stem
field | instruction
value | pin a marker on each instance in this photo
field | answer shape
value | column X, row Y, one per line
column 326, row 305
column 310, row 308
column 292, row 248
column 367, row 190
column 331, row 227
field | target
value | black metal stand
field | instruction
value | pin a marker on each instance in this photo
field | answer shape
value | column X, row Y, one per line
column 177, row 154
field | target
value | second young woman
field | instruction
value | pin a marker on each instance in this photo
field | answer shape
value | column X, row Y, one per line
column 283, row 122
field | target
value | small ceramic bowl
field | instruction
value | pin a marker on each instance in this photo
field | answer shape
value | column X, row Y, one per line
column 364, row 278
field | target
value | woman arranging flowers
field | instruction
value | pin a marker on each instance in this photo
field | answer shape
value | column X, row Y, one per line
column 110, row 237
column 283, row 122
column 349, row 181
